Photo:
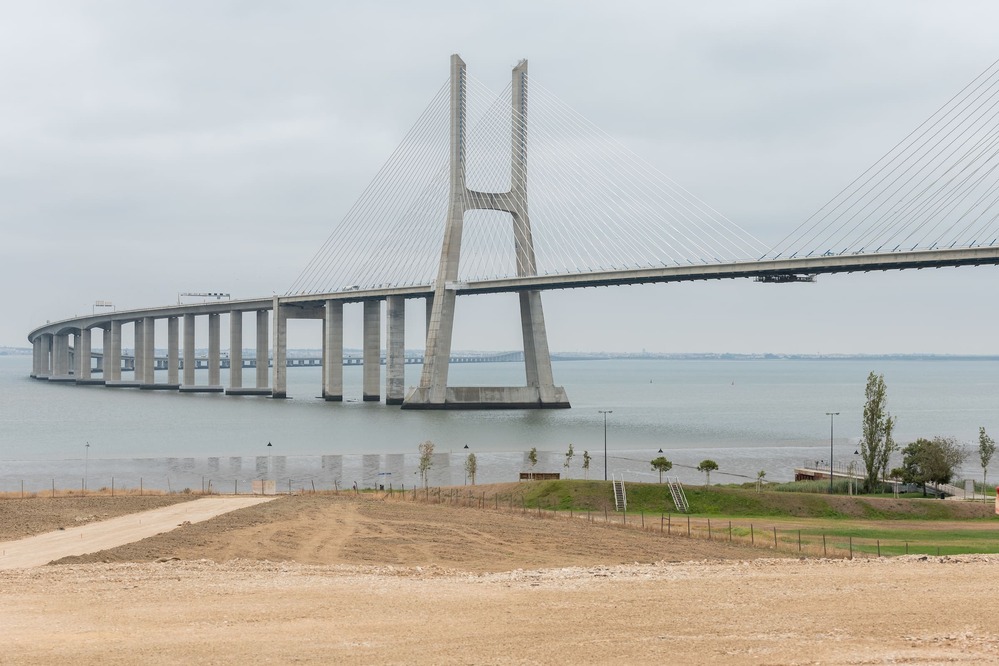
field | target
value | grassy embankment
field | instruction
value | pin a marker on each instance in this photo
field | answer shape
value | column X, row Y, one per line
column 865, row 524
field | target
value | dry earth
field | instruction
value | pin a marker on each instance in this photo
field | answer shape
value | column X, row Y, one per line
column 314, row 579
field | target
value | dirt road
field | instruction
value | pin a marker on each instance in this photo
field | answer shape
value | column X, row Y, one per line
column 97, row 536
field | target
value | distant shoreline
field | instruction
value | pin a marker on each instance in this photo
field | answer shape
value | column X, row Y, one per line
column 664, row 356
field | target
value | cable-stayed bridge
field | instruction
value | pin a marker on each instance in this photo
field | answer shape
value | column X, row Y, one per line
column 516, row 192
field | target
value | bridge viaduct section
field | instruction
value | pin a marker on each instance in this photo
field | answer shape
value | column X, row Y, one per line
column 62, row 351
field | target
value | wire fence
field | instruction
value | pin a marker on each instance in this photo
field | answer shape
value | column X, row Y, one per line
column 782, row 539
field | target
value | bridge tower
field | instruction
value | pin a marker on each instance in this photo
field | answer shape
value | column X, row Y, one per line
column 433, row 391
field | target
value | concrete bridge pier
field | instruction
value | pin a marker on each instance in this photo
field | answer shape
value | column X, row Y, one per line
column 112, row 353
column 148, row 353
column 433, row 391
column 395, row 361
column 263, row 351
column 333, row 351
column 214, row 354
column 138, row 355
column 84, row 344
column 279, row 371
column 48, row 358
column 188, row 383
column 372, row 351
column 40, row 352
column 235, row 350
column 60, row 358
column 173, row 352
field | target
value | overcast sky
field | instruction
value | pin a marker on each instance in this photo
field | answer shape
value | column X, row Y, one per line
column 152, row 148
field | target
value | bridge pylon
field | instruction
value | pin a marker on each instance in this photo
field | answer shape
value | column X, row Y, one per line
column 433, row 391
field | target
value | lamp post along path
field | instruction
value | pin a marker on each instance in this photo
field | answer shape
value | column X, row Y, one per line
column 605, row 412
column 831, row 415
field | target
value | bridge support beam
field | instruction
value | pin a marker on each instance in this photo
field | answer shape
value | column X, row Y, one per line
column 333, row 351
column 263, row 349
column 36, row 357
column 148, row 353
column 372, row 351
column 138, row 365
column 60, row 357
column 395, row 355
column 173, row 352
column 189, row 363
column 433, row 391
column 84, row 343
column 235, row 350
column 112, row 353
column 214, row 352
column 48, row 361
column 279, row 385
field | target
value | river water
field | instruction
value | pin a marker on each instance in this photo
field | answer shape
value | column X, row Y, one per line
column 747, row 415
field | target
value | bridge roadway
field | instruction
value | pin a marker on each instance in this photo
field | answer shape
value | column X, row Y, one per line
column 52, row 349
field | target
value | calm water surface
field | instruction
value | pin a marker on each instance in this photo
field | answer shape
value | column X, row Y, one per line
column 747, row 415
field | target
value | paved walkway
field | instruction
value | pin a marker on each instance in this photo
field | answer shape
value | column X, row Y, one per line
column 43, row 548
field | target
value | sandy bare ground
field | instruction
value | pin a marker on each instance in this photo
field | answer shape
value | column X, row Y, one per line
column 94, row 537
column 345, row 580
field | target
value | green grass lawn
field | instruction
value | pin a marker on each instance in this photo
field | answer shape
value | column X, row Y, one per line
column 859, row 524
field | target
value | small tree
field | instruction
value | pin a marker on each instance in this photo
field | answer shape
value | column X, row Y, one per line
column 568, row 459
column 986, row 449
column 586, row 464
column 471, row 467
column 661, row 464
column 426, row 460
column 707, row 466
column 930, row 461
column 759, row 480
column 876, row 443
column 532, row 457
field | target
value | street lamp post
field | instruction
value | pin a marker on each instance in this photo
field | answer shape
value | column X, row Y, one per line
column 86, row 465
column 605, row 412
column 831, row 415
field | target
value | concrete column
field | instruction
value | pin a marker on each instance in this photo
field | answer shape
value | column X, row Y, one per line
column 36, row 357
column 235, row 349
column 83, row 345
column 262, row 349
column 333, row 351
column 138, row 365
column 48, row 362
column 173, row 352
column 60, row 355
column 188, row 350
column 372, row 351
column 279, row 385
column 112, row 364
column 214, row 351
column 106, row 348
column 395, row 362
column 430, row 312
column 149, row 351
